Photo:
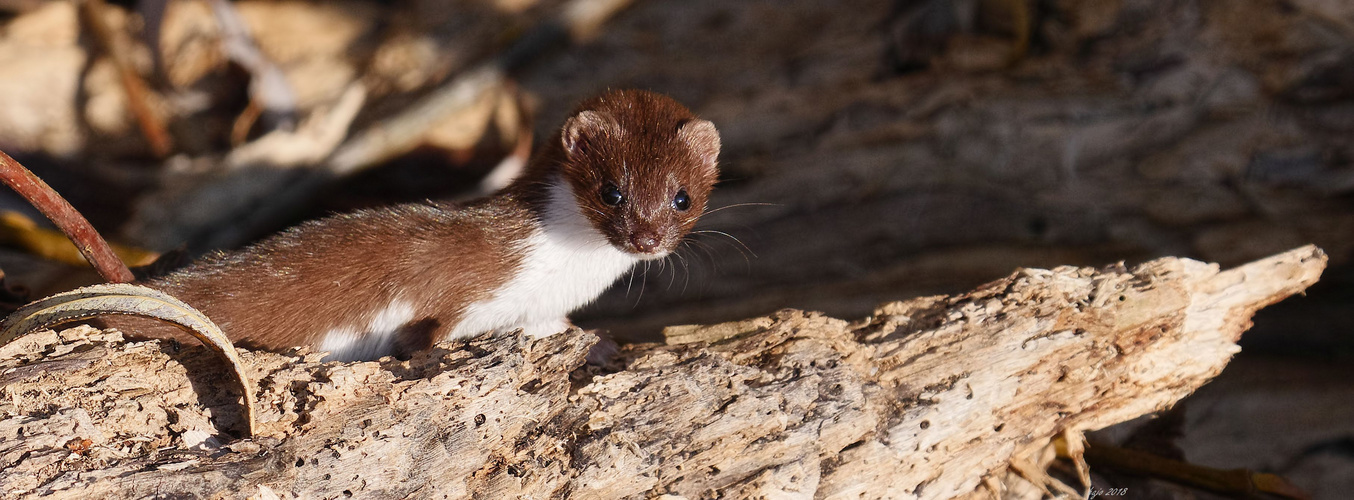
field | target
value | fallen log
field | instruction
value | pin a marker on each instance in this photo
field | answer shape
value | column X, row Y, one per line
column 934, row 397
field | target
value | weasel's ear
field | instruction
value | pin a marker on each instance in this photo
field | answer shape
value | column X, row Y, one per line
column 587, row 125
column 703, row 139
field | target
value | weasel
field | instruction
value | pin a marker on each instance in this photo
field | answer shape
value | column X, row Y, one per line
column 624, row 180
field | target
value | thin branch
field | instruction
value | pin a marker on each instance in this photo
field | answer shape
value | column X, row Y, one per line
column 66, row 218
column 579, row 21
column 1229, row 482
column 268, row 87
column 150, row 122
column 398, row 134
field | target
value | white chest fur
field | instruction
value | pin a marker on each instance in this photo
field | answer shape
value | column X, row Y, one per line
column 566, row 264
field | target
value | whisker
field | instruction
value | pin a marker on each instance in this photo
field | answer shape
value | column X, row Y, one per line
column 737, row 205
column 737, row 245
column 642, row 281
column 729, row 236
column 599, row 212
column 708, row 251
column 672, row 276
column 686, row 271
column 629, row 283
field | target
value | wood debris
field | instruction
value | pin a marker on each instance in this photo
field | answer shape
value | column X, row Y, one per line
column 928, row 398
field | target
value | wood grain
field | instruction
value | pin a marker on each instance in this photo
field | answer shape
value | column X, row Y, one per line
column 935, row 397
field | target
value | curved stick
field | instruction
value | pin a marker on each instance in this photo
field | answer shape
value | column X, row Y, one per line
column 61, row 213
column 134, row 300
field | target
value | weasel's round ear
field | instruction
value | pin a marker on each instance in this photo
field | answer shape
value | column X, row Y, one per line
column 585, row 125
column 703, row 139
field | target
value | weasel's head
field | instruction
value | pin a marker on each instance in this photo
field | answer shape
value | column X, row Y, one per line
column 641, row 167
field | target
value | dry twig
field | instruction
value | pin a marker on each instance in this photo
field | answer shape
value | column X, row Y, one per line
column 152, row 125
column 1239, row 482
column 66, row 218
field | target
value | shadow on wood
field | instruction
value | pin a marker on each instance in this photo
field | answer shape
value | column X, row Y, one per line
column 935, row 397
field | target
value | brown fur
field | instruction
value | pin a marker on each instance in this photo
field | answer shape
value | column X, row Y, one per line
column 289, row 290
column 647, row 145
column 292, row 288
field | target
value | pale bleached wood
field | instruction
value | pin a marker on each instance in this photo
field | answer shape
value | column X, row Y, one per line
column 934, row 397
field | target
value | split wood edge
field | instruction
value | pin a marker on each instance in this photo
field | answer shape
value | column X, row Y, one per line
column 935, row 397
column 1168, row 326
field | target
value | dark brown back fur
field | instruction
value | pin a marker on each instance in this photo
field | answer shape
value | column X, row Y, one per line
column 290, row 289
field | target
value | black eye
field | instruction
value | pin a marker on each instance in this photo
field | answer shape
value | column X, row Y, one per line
column 681, row 201
column 611, row 195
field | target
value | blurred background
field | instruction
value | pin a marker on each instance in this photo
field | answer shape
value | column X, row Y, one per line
column 874, row 150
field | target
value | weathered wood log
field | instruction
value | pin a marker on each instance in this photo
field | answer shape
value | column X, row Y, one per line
column 935, row 397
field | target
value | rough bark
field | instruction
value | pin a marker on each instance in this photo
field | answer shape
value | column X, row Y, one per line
column 935, row 397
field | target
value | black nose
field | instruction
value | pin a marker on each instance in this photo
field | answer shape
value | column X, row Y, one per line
column 644, row 242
